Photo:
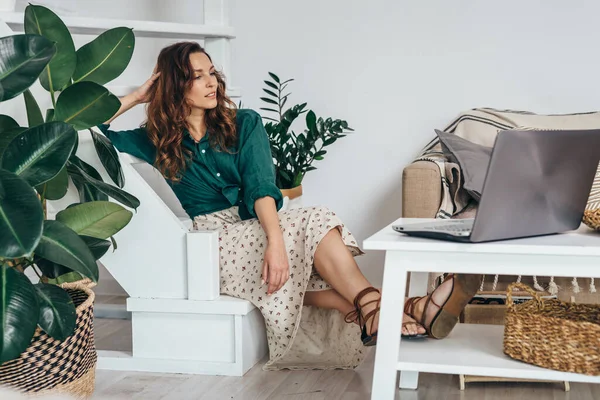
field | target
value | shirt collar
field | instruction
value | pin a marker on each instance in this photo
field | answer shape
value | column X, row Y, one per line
column 187, row 134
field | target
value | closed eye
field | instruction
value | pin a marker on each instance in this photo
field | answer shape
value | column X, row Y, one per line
column 213, row 73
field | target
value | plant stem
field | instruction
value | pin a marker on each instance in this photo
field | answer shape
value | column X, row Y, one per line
column 43, row 199
column 52, row 96
column 29, row 263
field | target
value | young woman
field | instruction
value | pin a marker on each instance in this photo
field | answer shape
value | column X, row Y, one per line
column 218, row 162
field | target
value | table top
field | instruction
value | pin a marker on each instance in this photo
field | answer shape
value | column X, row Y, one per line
column 581, row 242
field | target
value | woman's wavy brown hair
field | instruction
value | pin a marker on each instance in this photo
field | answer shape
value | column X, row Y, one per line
column 168, row 109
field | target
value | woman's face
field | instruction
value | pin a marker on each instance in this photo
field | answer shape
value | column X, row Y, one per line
column 203, row 93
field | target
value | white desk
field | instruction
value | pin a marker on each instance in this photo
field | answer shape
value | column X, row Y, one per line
column 470, row 349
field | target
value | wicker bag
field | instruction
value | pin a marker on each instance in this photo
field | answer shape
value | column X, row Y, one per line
column 50, row 366
column 592, row 218
column 553, row 334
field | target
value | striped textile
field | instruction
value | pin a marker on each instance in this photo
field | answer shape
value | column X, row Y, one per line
column 481, row 125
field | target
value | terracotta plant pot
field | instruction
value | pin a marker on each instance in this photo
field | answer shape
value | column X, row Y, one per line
column 292, row 193
column 292, row 198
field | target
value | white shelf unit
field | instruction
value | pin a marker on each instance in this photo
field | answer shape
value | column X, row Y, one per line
column 215, row 32
column 155, row 29
column 473, row 349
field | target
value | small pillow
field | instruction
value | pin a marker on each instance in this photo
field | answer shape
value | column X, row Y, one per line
column 472, row 158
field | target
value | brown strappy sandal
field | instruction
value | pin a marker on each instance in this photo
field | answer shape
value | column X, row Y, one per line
column 464, row 287
column 368, row 340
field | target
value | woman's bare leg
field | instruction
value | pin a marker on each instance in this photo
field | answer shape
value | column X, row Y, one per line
column 336, row 265
column 334, row 262
column 333, row 300
column 328, row 299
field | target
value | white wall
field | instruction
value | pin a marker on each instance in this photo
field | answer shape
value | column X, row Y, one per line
column 398, row 69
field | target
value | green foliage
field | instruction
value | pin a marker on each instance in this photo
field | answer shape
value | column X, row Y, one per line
column 294, row 153
column 36, row 164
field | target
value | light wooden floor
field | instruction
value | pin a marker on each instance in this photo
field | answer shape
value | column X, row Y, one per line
column 301, row 385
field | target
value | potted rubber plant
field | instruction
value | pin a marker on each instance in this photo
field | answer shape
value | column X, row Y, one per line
column 38, row 311
column 294, row 153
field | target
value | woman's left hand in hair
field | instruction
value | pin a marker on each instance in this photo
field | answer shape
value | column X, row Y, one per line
column 276, row 270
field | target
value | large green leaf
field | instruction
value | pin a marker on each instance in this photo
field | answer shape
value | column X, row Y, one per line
column 114, row 192
column 41, row 21
column 7, row 123
column 57, row 311
column 8, row 136
column 99, row 219
column 23, row 59
column 50, row 114
column 109, row 158
column 106, row 57
column 87, row 192
column 87, row 168
column 21, row 217
column 19, row 311
column 34, row 115
column 68, row 277
column 98, row 247
column 57, row 187
column 86, row 104
column 51, row 269
column 61, row 245
column 38, row 154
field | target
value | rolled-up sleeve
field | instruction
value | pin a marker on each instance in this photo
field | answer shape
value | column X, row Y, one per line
column 256, row 166
column 134, row 142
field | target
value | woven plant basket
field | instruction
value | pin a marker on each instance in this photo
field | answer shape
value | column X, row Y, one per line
column 553, row 334
column 50, row 366
column 592, row 218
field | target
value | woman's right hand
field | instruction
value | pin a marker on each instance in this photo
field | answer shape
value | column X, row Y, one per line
column 141, row 94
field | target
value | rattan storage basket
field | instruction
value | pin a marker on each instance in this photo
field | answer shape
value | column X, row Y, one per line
column 553, row 334
column 50, row 366
column 592, row 218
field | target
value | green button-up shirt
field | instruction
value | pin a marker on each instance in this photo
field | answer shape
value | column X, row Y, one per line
column 215, row 180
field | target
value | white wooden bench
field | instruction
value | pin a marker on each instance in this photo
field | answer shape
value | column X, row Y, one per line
column 180, row 322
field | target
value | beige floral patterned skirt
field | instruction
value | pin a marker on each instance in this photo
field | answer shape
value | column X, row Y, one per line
column 299, row 337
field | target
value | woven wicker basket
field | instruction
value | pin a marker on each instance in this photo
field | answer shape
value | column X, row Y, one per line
column 50, row 366
column 592, row 218
column 553, row 334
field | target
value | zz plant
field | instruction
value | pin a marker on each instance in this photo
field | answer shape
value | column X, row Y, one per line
column 294, row 153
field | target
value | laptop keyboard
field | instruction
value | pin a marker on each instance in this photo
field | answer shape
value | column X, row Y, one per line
column 452, row 227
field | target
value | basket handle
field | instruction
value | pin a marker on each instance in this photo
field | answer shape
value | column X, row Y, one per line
column 539, row 301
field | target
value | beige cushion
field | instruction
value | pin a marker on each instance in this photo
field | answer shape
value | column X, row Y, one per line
column 421, row 190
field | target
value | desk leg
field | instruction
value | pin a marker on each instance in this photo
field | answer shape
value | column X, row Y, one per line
column 390, row 325
column 418, row 287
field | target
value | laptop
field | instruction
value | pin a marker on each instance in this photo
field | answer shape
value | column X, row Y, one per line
column 537, row 183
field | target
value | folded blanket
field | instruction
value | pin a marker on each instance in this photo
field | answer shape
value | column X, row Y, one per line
column 480, row 126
